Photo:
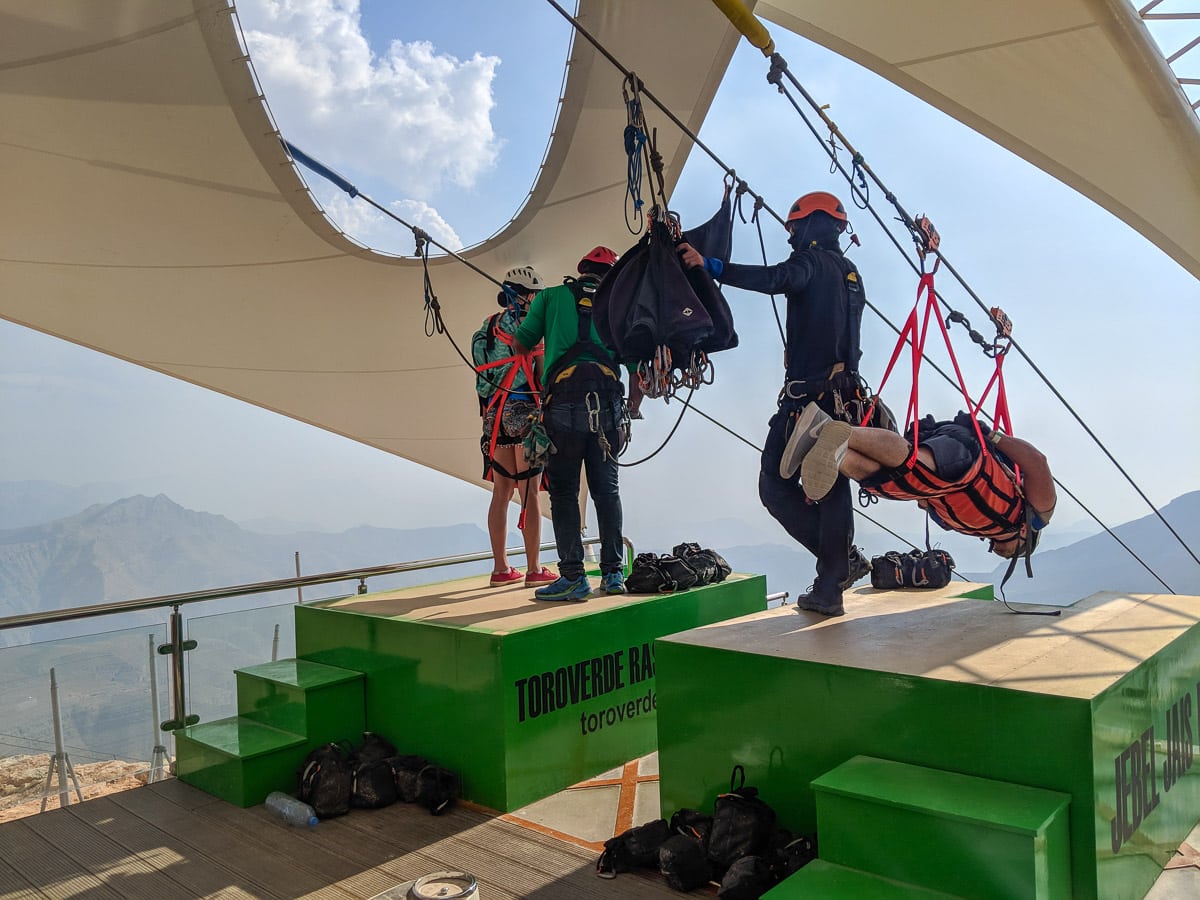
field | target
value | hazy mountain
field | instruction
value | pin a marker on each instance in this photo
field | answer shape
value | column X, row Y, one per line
column 150, row 546
column 1099, row 563
column 24, row 503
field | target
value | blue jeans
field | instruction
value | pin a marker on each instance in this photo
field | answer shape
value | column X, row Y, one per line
column 577, row 448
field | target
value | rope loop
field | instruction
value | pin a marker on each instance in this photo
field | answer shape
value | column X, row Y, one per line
column 433, row 310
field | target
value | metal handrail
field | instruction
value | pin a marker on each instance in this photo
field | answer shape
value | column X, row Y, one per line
column 241, row 590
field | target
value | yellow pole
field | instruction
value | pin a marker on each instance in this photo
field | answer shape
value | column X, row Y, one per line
column 745, row 22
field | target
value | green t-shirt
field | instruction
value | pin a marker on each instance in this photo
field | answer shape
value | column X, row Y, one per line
column 552, row 316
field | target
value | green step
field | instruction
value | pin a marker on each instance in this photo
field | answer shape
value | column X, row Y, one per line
column 238, row 759
column 832, row 882
column 944, row 830
column 322, row 702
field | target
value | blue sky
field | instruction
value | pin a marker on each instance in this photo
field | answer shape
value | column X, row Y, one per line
column 443, row 109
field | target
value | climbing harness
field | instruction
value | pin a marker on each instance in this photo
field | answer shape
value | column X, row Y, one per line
column 595, row 380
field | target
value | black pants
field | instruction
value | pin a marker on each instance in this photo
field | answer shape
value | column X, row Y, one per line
column 577, row 448
column 826, row 529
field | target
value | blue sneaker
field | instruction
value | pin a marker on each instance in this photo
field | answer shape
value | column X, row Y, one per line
column 573, row 590
column 613, row 583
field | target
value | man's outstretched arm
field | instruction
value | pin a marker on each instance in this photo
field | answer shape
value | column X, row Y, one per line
column 1035, row 471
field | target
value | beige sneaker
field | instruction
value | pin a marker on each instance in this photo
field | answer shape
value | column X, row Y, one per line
column 819, row 469
column 804, row 435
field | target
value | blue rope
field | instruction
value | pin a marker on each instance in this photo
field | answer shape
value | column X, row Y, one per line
column 635, row 140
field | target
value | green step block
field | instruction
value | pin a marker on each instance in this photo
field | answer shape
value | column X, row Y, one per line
column 239, row 760
column 323, row 703
column 942, row 829
column 1101, row 703
column 522, row 698
column 832, row 882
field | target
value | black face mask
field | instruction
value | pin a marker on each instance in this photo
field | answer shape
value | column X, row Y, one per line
column 817, row 229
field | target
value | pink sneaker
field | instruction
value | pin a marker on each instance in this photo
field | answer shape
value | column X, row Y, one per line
column 499, row 579
column 541, row 576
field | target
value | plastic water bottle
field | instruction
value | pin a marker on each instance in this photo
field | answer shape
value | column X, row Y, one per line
column 291, row 810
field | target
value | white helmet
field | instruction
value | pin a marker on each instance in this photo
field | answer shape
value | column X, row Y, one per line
column 525, row 278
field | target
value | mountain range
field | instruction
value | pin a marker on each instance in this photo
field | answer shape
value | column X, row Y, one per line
column 149, row 546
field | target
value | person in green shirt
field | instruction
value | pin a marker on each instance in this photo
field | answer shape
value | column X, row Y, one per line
column 584, row 416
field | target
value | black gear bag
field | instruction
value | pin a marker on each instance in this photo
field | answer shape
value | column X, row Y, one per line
column 916, row 569
column 636, row 848
column 326, row 781
column 742, row 823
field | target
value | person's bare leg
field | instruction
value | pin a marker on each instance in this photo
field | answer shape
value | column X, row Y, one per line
column 502, row 491
column 531, row 498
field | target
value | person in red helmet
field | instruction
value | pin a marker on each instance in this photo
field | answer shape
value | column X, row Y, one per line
column 825, row 302
column 585, row 416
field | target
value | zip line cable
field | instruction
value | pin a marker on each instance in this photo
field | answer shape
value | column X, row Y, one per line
column 860, row 166
column 779, row 68
column 642, row 89
column 434, row 323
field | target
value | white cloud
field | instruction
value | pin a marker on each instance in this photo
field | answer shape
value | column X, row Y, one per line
column 413, row 117
column 373, row 229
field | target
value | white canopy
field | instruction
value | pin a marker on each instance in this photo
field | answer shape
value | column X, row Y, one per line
column 1076, row 87
column 151, row 213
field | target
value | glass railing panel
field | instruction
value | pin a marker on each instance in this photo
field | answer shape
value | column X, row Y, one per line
column 226, row 641
column 109, row 724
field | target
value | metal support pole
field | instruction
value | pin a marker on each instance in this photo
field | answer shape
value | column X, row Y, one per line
column 299, row 588
column 158, row 757
column 275, row 644
column 60, row 762
column 175, row 649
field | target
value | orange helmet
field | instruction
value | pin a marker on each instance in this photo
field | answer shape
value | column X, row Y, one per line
column 817, row 201
column 601, row 255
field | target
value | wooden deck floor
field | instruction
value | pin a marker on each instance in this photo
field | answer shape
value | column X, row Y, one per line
column 169, row 840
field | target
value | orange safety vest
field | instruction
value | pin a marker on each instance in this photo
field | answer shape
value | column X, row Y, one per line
column 986, row 502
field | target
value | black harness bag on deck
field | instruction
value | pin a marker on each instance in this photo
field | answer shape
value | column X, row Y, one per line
column 326, row 781
column 682, row 862
column 915, row 569
column 747, row 879
column 635, row 848
column 742, row 823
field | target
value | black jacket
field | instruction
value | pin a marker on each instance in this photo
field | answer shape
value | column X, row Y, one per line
column 825, row 302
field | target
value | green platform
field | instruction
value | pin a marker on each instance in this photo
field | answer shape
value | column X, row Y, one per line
column 522, row 698
column 285, row 709
column 940, row 829
column 1099, row 705
column 824, row 880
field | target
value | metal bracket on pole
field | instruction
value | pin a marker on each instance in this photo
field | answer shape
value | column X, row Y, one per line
column 175, row 649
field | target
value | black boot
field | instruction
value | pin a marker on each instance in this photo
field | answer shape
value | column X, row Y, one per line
column 859, row 566
column 826, row 607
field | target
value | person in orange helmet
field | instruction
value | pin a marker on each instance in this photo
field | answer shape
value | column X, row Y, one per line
column 825, row 302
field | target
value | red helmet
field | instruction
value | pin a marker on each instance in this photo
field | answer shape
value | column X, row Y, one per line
column 817, row 201
column 600, row 255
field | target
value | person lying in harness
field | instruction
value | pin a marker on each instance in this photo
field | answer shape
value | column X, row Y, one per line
column 586, row 421
column 507, row 384
column 968, row 477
